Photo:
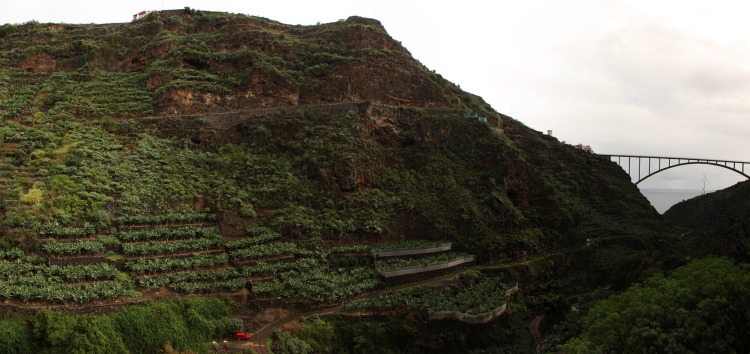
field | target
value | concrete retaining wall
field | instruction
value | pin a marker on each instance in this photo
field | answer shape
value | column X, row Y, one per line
column 481, row 318
column 410, row 252
column 511, row 291
column 467, row 318
column 430, row 268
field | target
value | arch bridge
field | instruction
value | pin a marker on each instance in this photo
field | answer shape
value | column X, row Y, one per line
column 647, row 166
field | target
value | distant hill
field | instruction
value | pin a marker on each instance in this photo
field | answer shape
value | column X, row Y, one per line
column 718, row 222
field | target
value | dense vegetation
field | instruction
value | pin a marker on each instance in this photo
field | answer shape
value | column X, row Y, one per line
column 148, row 328
column 716, row 223
column 401, row 332
column 703, row 307
column 481, row 296
column 197, row 152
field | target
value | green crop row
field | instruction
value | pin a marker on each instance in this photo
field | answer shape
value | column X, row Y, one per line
column 209, row 287
column 165, row 219
column 264, row 250
column 159, row 281
column 11, row 254
column 323, row 253
column 480, row 297
column 262, row 268
column 320, row 284
column 161, row 247
column 39, row 288
column 167, row 264
column 166, row 233
column 409, row 245
column 9, row 270
column 96, row 271
column 72, row 247
column 257, row 236
column 397, row 263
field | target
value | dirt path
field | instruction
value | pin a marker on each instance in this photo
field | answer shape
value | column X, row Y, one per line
column 258, row 339
column 215, row 120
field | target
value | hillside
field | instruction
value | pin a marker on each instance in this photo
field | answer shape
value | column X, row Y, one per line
column 227, row 155
column 718, row 222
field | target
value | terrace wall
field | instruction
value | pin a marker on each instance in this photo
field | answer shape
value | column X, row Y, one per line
column 467, row 318
column 410, row 252
column 423, row 269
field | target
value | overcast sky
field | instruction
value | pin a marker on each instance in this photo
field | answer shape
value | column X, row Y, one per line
column 668, row 78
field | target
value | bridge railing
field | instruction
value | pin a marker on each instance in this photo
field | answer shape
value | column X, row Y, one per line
column 647, row 166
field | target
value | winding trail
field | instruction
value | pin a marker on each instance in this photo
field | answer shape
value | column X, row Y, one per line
column 258, row 339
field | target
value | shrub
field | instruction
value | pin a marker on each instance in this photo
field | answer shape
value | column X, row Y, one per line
column 33, row 197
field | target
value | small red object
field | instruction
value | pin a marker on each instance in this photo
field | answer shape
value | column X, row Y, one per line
column 241, row 336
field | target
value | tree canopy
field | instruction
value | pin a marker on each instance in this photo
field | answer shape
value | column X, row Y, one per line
column 703, row 307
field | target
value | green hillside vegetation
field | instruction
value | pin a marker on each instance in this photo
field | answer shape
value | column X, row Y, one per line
column 185, row 323
column 308, row 175
column 230, row 156
column 702, row 307
column 716, row 223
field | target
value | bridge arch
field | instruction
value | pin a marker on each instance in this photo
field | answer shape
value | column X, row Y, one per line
column 648, row 166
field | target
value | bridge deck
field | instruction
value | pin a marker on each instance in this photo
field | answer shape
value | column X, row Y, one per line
column 651, row 165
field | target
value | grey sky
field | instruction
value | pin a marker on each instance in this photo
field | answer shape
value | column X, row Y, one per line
column 629, row 77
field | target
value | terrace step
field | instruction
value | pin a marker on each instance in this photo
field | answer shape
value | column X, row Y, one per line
column 213, row 251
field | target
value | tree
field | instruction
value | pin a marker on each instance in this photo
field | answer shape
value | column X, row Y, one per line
column 15, row 336
column 52, row 329
column 284, row 342
column 89, row 339
column 319, row 334
column 62, row 333
column 703, row 307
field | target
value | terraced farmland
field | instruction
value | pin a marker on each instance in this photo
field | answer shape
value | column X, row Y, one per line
column 186, row 253
column 182, row 252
